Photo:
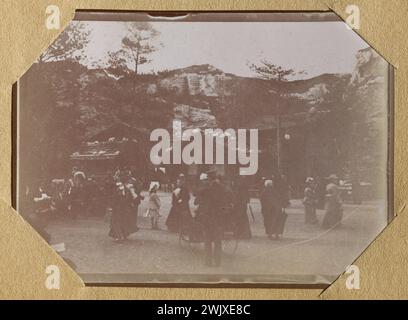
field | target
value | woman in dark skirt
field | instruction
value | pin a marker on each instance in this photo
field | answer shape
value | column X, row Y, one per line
column 271, row 210
column 122, row 220
column 180, row 210
column 173, row 219
column 334, row 208
column 309, row 202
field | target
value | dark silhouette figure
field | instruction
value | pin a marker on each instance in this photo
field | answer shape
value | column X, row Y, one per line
column 272, row 211
column 179, row 214
column 211, row 201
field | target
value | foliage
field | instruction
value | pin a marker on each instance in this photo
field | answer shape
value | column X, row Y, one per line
column 136, row 48
column 268, row 71
column 70, row 44
column 49, row 124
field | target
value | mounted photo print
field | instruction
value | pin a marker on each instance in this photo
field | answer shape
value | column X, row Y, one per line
column 215, row 148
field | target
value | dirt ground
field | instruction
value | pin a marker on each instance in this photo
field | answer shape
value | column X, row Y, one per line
column 305, row 254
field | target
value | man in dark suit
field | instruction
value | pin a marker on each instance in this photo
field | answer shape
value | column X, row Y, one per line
column 210, row 199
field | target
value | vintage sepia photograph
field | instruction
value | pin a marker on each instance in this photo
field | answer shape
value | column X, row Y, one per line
column 215, row 148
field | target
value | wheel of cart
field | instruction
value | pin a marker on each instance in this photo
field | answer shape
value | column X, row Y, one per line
column 191, row 235
column 229, row 240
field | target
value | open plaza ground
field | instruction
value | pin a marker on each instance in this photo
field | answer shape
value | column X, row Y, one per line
column 306, row 253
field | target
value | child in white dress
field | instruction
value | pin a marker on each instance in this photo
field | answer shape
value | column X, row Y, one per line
column 153, row 207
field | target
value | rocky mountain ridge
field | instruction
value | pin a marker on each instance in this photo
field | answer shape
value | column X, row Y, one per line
column 69, row 103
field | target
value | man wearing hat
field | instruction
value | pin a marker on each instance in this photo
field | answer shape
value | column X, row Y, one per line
column 210, row 200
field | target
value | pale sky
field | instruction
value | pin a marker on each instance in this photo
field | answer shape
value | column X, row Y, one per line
column 315, row 47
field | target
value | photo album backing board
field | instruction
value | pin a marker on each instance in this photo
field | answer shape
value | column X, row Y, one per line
column 206, row 152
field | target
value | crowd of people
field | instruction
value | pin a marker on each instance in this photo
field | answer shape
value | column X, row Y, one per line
column 331, row 198
column 205, row 209
column 217, row 208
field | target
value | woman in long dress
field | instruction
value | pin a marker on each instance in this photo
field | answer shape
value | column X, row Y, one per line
column 153, row 208
column 334, row 207
column 271, row 210
column 180, row 210
column 309, row 202
column 122, row 221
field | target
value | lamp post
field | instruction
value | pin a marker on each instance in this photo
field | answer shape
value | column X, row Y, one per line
column 278, row 125
column 278, row 141
column 279, row 75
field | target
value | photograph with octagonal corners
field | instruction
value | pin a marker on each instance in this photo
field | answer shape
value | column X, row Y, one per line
column 214, row 148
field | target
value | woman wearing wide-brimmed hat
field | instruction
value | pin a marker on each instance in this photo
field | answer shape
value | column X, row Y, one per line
column 153, row 207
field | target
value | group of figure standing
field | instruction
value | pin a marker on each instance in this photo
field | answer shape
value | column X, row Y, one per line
column 333, row 202
column 125, row 199
column 218, row 206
